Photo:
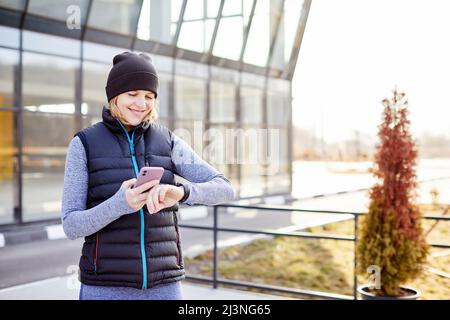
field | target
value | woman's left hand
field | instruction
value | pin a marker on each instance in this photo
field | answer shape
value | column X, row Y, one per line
column 163, row 196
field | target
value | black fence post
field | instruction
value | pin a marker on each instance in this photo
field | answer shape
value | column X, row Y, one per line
column 216, row 254
column 355, row 276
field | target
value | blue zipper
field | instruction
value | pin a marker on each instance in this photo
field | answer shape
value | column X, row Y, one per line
column 141, row 211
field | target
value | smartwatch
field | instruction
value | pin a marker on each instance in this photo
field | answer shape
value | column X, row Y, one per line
column 186, row 191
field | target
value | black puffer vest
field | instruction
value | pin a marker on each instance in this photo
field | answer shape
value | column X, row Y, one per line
column 137, row 250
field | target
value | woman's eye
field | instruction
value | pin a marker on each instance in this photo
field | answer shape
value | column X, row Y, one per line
column 132, row 94
column 150, row 98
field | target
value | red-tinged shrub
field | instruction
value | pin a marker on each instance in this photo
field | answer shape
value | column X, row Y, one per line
column 391, row 235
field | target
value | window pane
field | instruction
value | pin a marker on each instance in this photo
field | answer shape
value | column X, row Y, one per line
column 10, row 37
column 229, row 28
column 46, row 138
column 232, row 7
column 278, row 167
column 52, row 44
column 194, row 10
column 213, row 7
column 49, row 83
column 162, row 101
column 190, row 95
column 258, row 42
column 196, row 35
column 252, row 181
column 8, row 151
column 220, row 151
column 156, row 18
column 42, row 186
column 251, row 106
column 115, row 16
column 8, row 63
column 18, row 5
column 223, row 104
column 100, row 52
column 59, row 10
column 277, row 110
column 192, row 133
column 94, row 81
column 286, row 35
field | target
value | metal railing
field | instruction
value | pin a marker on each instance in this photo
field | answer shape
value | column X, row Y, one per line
column 215, row 280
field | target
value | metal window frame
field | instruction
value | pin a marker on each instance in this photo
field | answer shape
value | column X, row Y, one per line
column 289, row 70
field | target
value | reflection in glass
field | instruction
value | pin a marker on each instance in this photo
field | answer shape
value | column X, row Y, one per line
column 251, row 106
column 49, row 83
column 18, row 5
column 8, row 151
column 100, row 52
column 94, row 81
column 10, row 37
column 46, row 137
column 190, row 98
column 115, row 16
column 59, row 10
column 42, row 187
column 8, row 63
column 37, row 41
column 192, row 133
column 222, row 106
column 277, row 110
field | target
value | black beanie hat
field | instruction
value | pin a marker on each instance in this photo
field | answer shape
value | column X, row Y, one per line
column 131, row 71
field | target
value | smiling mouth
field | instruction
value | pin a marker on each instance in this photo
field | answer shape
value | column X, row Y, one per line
column 137, row 112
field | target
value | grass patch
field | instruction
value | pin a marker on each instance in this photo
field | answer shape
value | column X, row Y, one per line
column 317, row 264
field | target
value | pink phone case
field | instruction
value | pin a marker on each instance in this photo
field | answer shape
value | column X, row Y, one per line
column 147, row 174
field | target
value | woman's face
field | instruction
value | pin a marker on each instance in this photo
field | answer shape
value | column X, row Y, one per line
column 135, row 106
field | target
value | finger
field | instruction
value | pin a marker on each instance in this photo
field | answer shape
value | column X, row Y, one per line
column 143, row 196
column 162, row 193
column 141, row 203
column 146, row 186
column 129, row 183
column 150, row 205
column 155, row 199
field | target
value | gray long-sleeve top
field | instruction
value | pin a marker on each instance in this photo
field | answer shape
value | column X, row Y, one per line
column 206, row 186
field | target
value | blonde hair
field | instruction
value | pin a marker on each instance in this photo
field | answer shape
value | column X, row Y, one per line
column 151, row 117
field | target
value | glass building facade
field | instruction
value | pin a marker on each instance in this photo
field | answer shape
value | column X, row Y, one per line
column 223, row 64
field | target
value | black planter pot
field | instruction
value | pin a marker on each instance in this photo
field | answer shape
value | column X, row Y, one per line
column 370, row 296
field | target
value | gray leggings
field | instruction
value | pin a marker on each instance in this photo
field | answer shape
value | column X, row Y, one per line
column 170, row 291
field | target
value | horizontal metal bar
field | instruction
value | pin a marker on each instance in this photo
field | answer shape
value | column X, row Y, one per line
column 442, row 218
column 437, row 245
column 290, row 209
column 284, row 234
column 309, row 293
column 284, row 209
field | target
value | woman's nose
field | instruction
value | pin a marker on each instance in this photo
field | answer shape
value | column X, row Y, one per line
column 140, row 102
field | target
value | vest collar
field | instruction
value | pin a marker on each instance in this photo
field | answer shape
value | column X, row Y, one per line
column 113, row 124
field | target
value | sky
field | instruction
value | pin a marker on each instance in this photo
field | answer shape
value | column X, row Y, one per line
column 354, row 53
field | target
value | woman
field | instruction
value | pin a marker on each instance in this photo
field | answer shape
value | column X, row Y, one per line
column 132, row 246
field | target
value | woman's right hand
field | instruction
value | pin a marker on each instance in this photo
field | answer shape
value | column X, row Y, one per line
column 136, row 197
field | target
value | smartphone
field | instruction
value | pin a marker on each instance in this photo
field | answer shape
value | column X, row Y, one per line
column 147, row 174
